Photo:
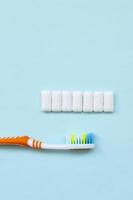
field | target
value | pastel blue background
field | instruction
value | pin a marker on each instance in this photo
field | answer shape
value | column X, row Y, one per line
column 76, row 45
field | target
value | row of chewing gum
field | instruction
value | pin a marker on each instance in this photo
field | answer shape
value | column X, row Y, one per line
column 77, row 101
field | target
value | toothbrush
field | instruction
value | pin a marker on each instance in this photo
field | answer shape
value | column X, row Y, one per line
column 86, row 141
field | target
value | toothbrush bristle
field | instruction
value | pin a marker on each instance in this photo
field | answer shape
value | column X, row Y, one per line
column 90, row 138
column 73, row 139
column 84, row 139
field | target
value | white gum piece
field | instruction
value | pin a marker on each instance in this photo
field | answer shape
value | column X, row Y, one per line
column 87, row 102
column 66, row 101
column 46, row 101
column 77, row 101
column 98, row 101
column 108, row 101
column 56, row 101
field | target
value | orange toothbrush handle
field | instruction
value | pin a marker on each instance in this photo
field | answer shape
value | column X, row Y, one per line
column 19, row 140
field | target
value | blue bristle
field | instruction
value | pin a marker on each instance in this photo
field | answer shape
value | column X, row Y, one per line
column 90, row 138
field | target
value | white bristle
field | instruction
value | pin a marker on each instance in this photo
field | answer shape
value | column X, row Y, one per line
column 69, row 139
column 66, row 139
column 81, row 140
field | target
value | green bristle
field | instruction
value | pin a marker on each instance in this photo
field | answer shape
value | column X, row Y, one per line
column 84, row 137
column 73, row 138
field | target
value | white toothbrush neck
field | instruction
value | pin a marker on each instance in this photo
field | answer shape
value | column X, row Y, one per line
column 67, row 146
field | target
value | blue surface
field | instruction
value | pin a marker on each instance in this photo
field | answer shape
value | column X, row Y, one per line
column 77, row 45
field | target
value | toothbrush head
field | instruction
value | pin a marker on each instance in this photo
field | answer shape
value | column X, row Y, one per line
column 85, row 141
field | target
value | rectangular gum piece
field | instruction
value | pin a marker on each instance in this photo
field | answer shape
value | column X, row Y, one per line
column 66, row 101
column 98, row 101
column 56, row 101
column 46, row 101
column 87, row 102
column 77, row 101
column 108, row 101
